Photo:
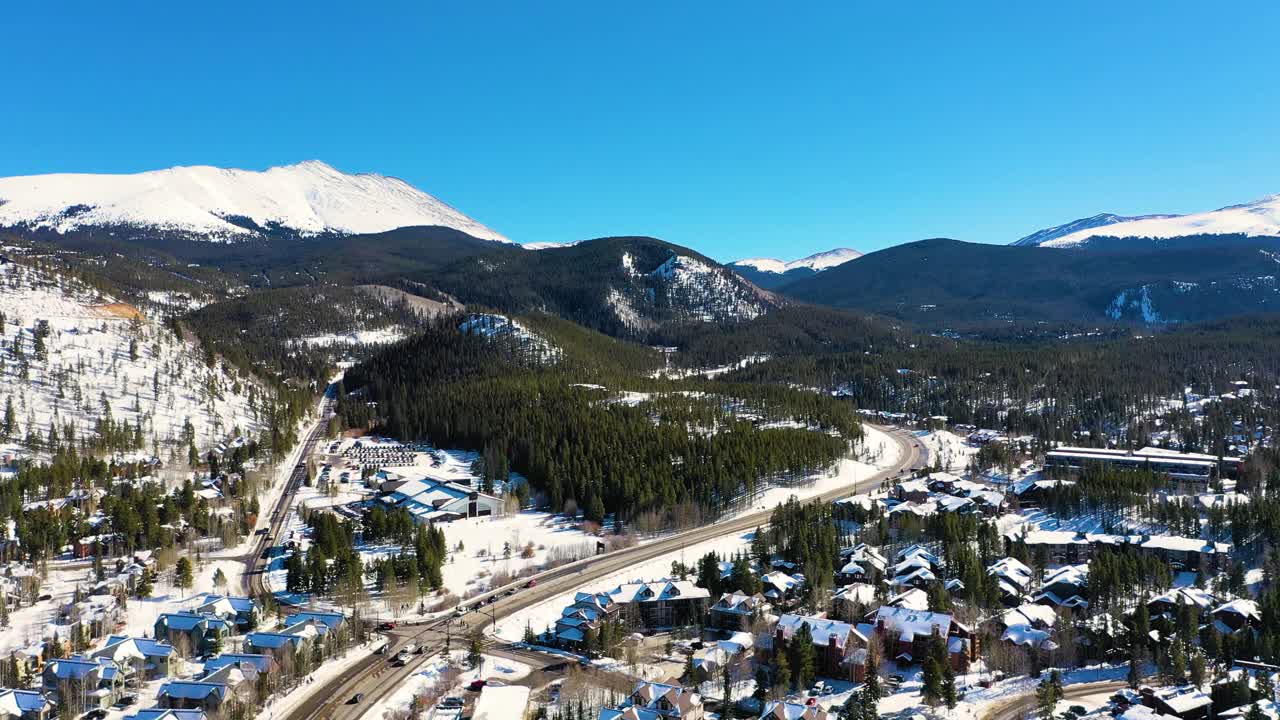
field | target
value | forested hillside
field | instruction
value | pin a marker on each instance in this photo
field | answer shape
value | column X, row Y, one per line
column 942, row 283
column 1053, row 390
column 589, row 428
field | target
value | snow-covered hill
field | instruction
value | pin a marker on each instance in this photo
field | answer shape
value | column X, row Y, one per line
column 1102, row 220
column 70, row 356
column 817, row 262
column 773, row 274
column 216, row 204
column 1260, row 218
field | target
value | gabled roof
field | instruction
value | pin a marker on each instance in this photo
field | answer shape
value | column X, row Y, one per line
column 332, row 620
column 270, row 640
column 76, row 668
column 822, row 630
column 193, row 690
column 15, row 703
column 123, row 647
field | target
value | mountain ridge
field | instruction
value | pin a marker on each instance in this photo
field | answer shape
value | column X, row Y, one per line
column 204, row 202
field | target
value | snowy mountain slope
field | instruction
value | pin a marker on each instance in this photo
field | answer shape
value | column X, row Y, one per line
column 771, row 274
column 817, row 262
column 704, row 292
column 1260, row 218
column 216, row 204
column 73, row 357
column 1102, row 220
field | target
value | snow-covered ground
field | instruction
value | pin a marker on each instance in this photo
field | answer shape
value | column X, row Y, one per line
column 103, row 357
column 382, row 336
column 949, row 450
column 429, row 679
column 878, row 452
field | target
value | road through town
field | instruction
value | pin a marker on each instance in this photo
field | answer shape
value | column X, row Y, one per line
column 374, row 677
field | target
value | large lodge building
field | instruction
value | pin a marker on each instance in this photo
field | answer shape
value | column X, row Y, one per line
column 1196, row 467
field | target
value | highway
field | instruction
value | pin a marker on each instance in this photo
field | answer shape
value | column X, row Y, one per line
column 256, row 560
column 375, row 677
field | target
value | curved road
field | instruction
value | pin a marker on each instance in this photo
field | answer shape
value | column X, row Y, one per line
column 375, row 677
column 1021, row 706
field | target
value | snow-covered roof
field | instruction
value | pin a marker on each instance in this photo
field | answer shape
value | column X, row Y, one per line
column 823, row 630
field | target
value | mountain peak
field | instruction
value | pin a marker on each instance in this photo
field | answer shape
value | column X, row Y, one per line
column 223, row 205
column 816, row 262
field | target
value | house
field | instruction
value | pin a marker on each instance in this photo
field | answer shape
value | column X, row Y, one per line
column 240, row 610
column 660, row 605
column 193, row 695
column 259, row 663
column 1185, row 702
column 587, row 613
column 1029, row 626
column 913, row 599
column 735, row 611
column 81, row 683
column 737, row 649
column 1013, row 578
column 1169, row 602
column 851, row 601
column 141, row 659
column 1236, row 615
column 781, row 588
column 23, row 705
column 329, row 620
column 1065, row 587
column 1183, row 553
column 916, row 491
column 906, row 634
column 657, row 701
column 780, row 710
column 840, row 647
column 278, row 645
column 192, row 634
column 862, row 563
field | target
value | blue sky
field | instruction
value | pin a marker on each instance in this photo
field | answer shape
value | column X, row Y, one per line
column 738, row 128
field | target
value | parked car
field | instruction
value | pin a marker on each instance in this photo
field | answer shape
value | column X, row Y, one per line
column 451, row 702
column 387, row 626
column 95, row 714
column 477, row 685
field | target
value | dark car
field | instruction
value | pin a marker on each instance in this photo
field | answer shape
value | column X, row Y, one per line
column 357, row 698
column 477, row 685
column 96, row 714
column 387, row 626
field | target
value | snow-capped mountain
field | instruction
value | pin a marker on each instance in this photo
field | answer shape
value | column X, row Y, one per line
column 1260, row 218
column 225, row 205
column 771, row 273
column 1102, row 220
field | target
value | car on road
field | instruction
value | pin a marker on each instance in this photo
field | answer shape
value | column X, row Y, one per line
column 387, row 626
column 357, row 698
column 532, row 583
